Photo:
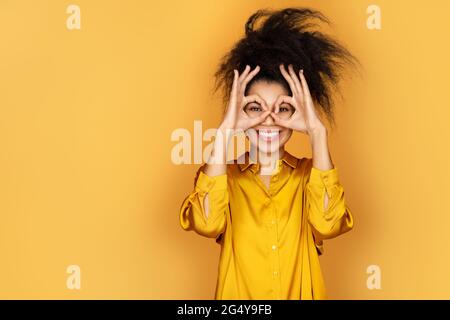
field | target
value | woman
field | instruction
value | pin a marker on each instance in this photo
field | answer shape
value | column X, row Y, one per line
column 269, row 210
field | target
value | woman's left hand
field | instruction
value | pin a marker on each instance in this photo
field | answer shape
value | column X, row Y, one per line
column 304, row 118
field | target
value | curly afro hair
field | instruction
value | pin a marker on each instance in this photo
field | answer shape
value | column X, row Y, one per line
column 287, row 36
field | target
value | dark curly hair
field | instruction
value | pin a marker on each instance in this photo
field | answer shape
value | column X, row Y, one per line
column 287, row 36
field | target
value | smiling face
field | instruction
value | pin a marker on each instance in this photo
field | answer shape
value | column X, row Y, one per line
column 268, row 137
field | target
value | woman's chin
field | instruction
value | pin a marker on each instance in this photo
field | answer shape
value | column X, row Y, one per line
column 265, row 148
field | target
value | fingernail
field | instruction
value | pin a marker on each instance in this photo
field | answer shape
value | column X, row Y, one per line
column 301, row 71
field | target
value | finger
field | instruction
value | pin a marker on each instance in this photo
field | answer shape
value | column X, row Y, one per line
column 304, row 85
column 244, row 73
column 288, row 79
column 254, row 98
column 278, row 102
column 284, row 99
column 235, row 83
column 259, row 119
column 281, row 122
column 294, row 77
column 234, row 88
column 249, row 77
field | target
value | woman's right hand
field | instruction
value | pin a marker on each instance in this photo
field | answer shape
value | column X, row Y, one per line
column 235, row 117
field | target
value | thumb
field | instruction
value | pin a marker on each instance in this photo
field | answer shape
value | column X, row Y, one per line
column 281, row 122
column 259, row 119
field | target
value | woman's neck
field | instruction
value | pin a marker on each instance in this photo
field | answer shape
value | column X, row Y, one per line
column 268, row 160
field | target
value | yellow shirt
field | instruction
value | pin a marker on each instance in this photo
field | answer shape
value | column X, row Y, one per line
column 270, row 239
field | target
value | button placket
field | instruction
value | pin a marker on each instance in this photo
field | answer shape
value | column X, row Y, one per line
column 274, row 178
column 274, row 252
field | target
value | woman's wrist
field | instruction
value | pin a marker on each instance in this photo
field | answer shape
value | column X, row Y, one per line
column 224, row 125
column 319, row 145
column 318, row 135
column 220, row 147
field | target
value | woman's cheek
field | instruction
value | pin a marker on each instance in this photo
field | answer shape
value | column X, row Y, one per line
column 253, row 138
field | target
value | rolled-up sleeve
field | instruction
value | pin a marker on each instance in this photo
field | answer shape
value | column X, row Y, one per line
column 337, row 218
column 192, row 211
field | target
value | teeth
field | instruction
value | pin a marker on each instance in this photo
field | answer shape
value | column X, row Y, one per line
column 268, row 134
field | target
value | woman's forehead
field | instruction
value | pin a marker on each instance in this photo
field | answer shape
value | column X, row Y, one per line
column 267, row 91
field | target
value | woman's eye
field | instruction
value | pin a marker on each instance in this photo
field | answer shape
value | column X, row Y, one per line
column 254, row 108
column 284, row 109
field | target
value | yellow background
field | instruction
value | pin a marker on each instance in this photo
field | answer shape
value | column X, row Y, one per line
column 85, row 171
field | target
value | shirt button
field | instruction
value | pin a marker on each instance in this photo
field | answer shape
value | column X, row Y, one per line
column 274, row 221
column 275, row 273
column 274, row 247
column 267, row 201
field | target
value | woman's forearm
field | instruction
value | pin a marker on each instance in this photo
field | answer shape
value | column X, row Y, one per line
column 217, row 163
column 321, row 154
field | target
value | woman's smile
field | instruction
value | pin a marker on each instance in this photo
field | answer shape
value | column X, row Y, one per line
column 268, row 135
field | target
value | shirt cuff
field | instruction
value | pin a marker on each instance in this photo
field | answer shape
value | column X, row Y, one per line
column 207, row 184
column 325, row 178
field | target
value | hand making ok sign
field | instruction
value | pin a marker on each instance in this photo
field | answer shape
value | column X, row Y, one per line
column 304, row 118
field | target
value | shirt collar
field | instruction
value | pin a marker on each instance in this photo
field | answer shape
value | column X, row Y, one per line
column 249, row 163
